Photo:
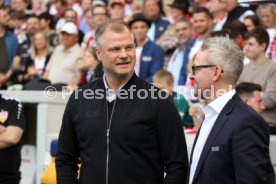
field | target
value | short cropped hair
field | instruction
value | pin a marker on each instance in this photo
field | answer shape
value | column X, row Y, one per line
column 236, row 28
column 221, row 33
column 205, row 11
column 255, row 20
column 260, row 35
column 246, row 89
column 163, row 76
column 224, row 52
column 117, row 26
column 184, row 20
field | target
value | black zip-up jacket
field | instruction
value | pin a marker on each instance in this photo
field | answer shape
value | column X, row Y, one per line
column 145, row 138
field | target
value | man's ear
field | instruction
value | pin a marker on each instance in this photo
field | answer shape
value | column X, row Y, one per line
column 218, row 73
column 98, row 54
column 263, row 46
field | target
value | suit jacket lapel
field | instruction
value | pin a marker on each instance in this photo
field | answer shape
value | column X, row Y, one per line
column 222, row 118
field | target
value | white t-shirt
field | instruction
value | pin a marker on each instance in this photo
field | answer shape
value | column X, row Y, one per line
column 39, row 64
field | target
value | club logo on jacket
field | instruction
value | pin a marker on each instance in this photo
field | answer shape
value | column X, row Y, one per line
column 147, row 58
column 3, row 116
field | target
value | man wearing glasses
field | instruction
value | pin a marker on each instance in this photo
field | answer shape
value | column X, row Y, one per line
column 232, row 143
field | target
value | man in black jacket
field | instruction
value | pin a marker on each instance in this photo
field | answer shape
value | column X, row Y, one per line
column 120, row 128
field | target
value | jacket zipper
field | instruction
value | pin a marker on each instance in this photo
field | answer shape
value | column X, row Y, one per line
column 109, row 120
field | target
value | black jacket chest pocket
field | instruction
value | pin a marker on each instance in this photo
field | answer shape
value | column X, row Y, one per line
column 220, row 148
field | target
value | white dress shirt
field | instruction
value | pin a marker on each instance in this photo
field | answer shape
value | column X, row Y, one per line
column 175, row 65
column 211, row 111
column 195, row 48
column 111, row 94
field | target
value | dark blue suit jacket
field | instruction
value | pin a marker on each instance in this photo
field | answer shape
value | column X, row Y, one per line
column 183, row 72
column 236, row 150
column 160, row 27
column 151, row 60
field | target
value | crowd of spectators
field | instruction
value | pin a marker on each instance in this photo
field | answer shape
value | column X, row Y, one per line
column 52, row 42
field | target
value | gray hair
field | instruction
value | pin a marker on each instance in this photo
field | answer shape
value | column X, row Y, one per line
column 116, row 26
column 225, row 53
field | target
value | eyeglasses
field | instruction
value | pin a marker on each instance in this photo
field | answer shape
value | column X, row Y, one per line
column 196, row 68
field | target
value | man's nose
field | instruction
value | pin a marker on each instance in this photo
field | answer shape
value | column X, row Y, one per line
column 191, row 76
column 123, row 53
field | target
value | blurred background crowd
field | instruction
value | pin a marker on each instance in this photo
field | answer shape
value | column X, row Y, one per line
column 51, row 42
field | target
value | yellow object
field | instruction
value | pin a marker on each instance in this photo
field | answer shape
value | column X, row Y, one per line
column 49, row 176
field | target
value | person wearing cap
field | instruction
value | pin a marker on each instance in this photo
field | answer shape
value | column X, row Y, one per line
column 62, row 66
column 117, row 9
column 149, row 55
column 72, row 16
column 179, row 8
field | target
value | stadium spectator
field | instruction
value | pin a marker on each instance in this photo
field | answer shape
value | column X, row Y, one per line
column 152, row 10
column 62, row 66
column 261, row 71
column 39, row 57
column 149, row 56
column 202, row 22
column 165, row 81
column 47, row 25
column 8, row 46
column 252, row 21
column 184, row 34
column 267, row 13
column 219, row 10
column 236, row 11
column 117, row 9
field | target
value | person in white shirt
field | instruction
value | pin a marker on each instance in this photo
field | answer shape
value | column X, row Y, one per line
column 184, row 33
column 232, row 143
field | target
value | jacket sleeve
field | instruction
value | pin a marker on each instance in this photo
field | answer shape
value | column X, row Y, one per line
column 172, row 143
column 67, row 158
column 250, row 151
column 157, row 62
column 269, row 97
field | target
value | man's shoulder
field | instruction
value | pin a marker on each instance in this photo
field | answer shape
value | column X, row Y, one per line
column 162, row 21
column 9, row 101
column 242, row 113
column 10, row 35
column 153, row 45
column 271, row 64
